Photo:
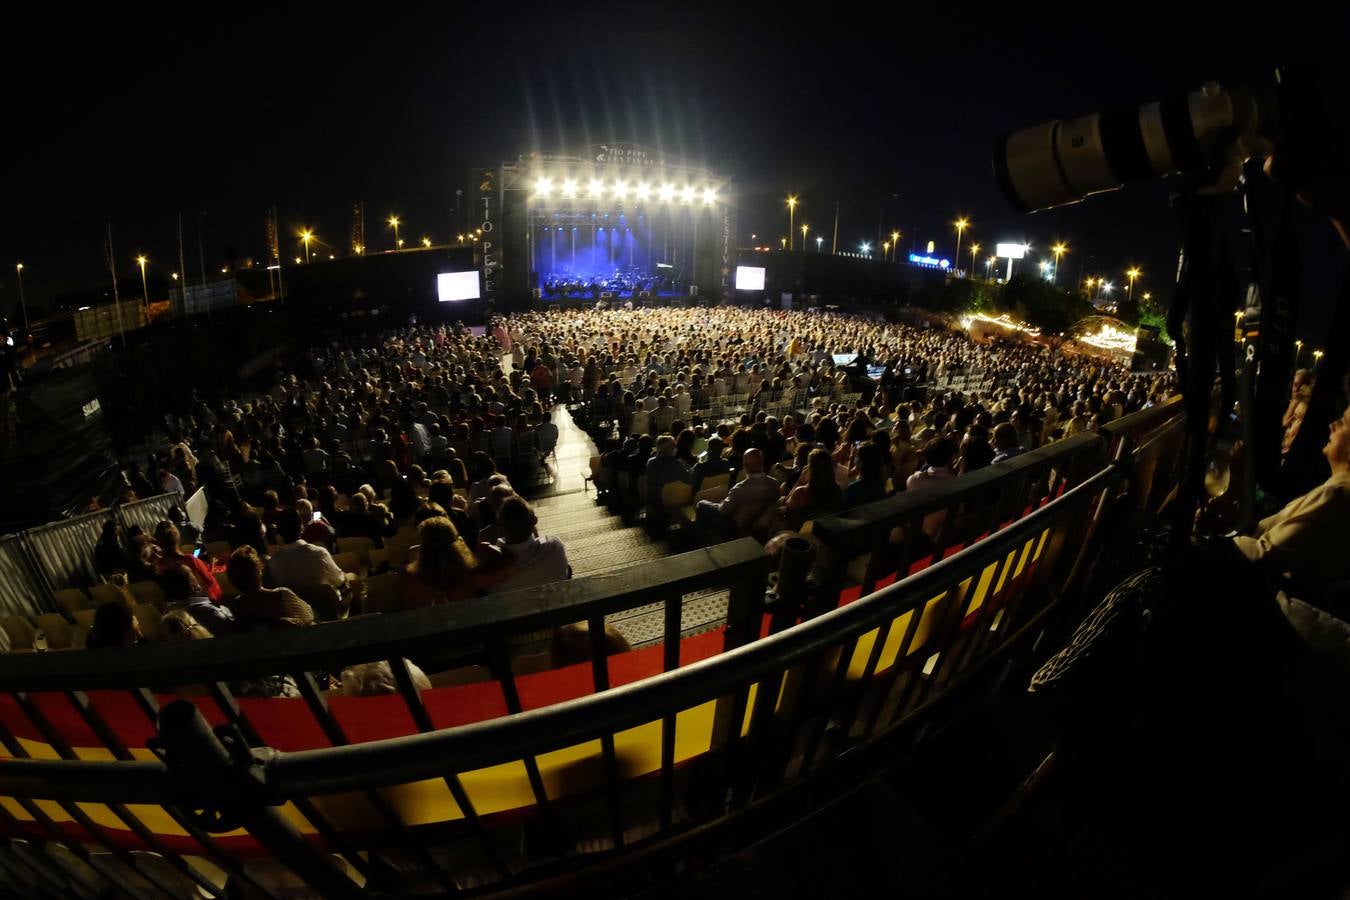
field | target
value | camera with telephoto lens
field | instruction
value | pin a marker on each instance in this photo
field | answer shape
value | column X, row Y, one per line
column 1061, row 162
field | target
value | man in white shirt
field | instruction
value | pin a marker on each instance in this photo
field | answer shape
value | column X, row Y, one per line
column 299, row 565
column 536, row 560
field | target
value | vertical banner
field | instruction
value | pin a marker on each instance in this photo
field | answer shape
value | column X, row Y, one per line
column 273, row 244
column 488, row 218
column 359, row 227
column 728, row 248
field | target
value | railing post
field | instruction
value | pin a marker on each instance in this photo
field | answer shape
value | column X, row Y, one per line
column 787, row 601
column 220, row 784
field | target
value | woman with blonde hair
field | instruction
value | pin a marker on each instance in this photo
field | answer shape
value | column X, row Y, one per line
column 446, row 569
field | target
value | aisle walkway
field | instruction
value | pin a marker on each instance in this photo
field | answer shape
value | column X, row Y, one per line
column 598, row 541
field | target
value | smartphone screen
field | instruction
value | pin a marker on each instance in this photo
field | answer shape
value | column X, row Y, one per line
column 316, row 517
column 197, row 553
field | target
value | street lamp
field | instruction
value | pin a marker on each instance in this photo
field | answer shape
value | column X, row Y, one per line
column 1059, row 250
column 988, row 267
column 804, row 230
column 864, row 248
column 306, row 236
column 1298, row 352
column 18, row 267
column 974, row 257
column 895, row 243
column 145, row 291
column 1131, row 274
column 819, row 240
column 394, row 223
column 1317, row 358
column 885, row 249
column 426, row 242
column 783, row 241
column 961, row 225
column 792, row 208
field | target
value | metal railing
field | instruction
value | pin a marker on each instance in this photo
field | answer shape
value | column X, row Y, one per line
column 605, row 788
column 36, row 562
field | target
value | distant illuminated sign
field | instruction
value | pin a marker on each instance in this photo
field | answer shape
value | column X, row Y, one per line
column 930, row 262
column 1011, row 251
column 749, row 278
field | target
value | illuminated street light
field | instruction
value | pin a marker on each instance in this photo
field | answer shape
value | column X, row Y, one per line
column 426, row 242
column 988, row 266
column 792, row 208
column 18, row 267
column 783, row 241
column 306, row 236
column 145, row 291
column 819, row 240
column 1317, row 358
column 895, row 244
column 1132, row 273
column 885, row 249
column 864, row 248
column 394, row 223
column 1059, row 250
column 961, row 225
column 974, row 256
column 805, row 228
column 1298, row 351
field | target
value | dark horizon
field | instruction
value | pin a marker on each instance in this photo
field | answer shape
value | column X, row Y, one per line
column 314, row 114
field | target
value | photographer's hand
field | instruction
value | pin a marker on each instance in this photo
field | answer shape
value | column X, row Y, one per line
column 1322, row 180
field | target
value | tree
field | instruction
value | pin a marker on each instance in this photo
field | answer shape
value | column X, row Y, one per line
column 1039, row 303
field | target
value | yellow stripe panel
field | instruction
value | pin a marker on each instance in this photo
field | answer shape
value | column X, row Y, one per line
column 565, row 772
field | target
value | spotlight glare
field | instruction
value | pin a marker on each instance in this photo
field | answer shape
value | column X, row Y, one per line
column 596, row 187
column 543, row 187
column 569, row 187
column 667, row 192
column 620, row 189
column 709, row 196
column 644, row 190
column 687, row 194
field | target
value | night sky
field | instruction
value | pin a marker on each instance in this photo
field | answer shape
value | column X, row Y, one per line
column 312, row 109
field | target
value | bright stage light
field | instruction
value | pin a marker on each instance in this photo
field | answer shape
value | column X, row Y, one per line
column 620, row 190
column 596, row 187
column 667, row 192
column 709, row 196
column 543, row 187
column 569, row 187
column 687, row 194
column 644, row 191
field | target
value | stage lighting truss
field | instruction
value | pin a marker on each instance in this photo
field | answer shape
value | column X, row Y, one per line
column 565, row 187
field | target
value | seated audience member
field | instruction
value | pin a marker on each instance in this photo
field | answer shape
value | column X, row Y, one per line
column 817, row 492
column 535, row 559
column 747, row 500
column 359, row 521
column 572, row 644
column 305, row 568
column 183, row 592
column 1007, row 443
column 249, row 529
column 712, row 463
column 870, row 485
column 169, row 556
column 260, row 607
column 446, row 570
column 1306, row 540
column 375, row 678
column 110, row 553
column 180, row 625
column 663, row 469
column 938, row 455
column 314, row 526
column 114, row 626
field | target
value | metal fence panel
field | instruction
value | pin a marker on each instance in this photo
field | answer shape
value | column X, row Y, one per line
column 65, row 550
column 146, row 513
column 22, row 592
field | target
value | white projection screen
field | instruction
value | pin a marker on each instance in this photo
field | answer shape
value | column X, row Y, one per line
column 749, row 278
column 454, row 286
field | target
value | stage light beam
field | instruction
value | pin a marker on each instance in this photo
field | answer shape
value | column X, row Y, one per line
column 569, row 187
column 543, row 186
column 644, row 190
column 667, row 192
column 596, row 187
column 709, row 196
column 687, row 194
